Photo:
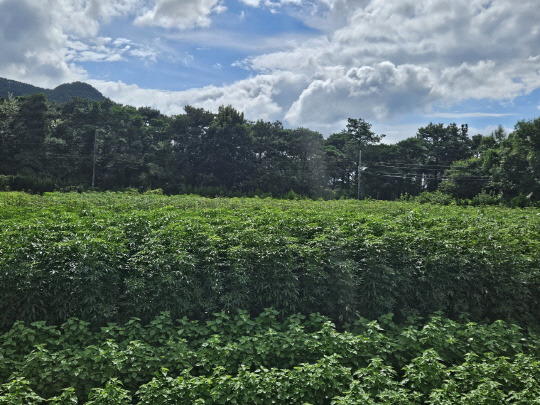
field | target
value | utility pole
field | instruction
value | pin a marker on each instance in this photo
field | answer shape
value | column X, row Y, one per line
column 94, row 159
column 359, row 171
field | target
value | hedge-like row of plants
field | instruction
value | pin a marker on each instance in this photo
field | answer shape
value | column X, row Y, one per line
column 111, row 256
column 235, row 359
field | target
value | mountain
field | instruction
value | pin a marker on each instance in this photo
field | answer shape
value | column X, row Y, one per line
column 60, row 94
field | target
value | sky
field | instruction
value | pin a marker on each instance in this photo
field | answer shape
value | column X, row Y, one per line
column 398, row 64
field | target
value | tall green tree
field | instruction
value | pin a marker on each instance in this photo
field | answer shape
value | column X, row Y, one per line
column 444, row 146
column 272, row 150
column 227, row 151
column 306, row 165
column 341, row 155
column 119, row 147
column 466, row 178
column 9, row 109
column 518, row 169
column 75, row 128
column 30, row 131
column 342, row 152
column 483, row 143
column 187, row 136
column 155, row 149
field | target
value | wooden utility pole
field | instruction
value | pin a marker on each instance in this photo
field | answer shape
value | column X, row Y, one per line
column 94, row 160
column 359, row 171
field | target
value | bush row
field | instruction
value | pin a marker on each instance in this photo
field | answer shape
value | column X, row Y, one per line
column 109, row 257
column 238, row 359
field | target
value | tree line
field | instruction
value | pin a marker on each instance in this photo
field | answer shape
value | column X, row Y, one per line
column 85, row 144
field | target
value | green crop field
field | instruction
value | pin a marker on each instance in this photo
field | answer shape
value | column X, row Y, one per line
column 119, row 298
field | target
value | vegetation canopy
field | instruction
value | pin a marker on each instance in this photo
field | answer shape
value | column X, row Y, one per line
column 87, row 144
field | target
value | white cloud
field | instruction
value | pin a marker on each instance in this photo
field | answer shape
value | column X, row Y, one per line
column 146, row 54
column 253, row 96
column 312, row 13
column 272, row 3
column 487, row 130
column 181, row 14
column 395, row 132
column 396, row 58
column 41, row 41
column 484, row 79
column 32, row 47
column 252, row 3
column 376, row 91
column 385, row 60
column 375, row 59
column 84, row 17
column 103, row 49
column 469, row 115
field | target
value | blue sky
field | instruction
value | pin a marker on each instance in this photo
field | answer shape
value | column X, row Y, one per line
column 308, row 63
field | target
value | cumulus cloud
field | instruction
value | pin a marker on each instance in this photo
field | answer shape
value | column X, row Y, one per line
column 181, row 14
column 44, row 41
column 376, row 91
column 254, row 96
column 381, row 60
column 393, row 58
column 31, row 45
column 40, row 40
column 84, row 17
column 375, row 59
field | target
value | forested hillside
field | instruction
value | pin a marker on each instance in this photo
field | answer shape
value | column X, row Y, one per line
column 60, row 94
column 83, row 144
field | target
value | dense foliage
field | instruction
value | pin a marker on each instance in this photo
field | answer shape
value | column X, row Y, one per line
column 235, row 359
column 128, row 298
column 85, row 144
column 107, row 257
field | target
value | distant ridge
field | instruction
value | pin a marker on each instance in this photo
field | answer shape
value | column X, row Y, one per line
column 60, row 94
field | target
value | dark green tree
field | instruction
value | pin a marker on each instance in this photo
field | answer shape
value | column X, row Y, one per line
column 9, row 109
column 188, row 134
column 227, row 150
column 29, row 133
column 274, row 166
column 466, row 178
column 342, row 152
column 73, row 141
column 306, row 166
column 444, row 146
column 518, row 169
column 155, row 149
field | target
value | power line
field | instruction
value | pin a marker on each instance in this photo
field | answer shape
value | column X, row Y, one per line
column 401, row 167
column 404, row 175
column 422, row 165
column 396, row 176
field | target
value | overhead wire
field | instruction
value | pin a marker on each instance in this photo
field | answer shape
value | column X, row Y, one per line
column 405, row 168
column 420, row 175
column 423, row 165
